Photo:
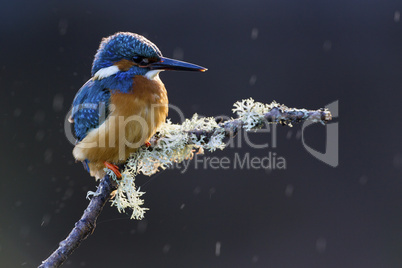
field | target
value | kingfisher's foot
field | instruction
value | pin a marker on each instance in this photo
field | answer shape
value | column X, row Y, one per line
column 147, row 144
column 113, row 168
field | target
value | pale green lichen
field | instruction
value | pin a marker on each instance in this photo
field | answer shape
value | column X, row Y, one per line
column 127, row 196
column 91, row 194
column 172, row 144
column 252, row 113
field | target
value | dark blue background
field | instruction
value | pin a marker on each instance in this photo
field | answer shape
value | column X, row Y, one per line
column 349, row 216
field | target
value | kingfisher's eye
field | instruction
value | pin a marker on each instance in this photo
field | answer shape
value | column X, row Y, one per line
column 137, row 59
column 141, row 61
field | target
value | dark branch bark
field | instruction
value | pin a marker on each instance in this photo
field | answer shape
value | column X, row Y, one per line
column 84, row 227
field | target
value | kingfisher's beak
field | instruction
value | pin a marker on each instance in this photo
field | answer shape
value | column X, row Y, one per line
column 175, row 65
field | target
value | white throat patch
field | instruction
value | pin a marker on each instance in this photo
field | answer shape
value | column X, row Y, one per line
column 151, row 75
column 106, row 72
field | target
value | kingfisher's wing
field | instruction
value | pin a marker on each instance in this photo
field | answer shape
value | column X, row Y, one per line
column 90, row 108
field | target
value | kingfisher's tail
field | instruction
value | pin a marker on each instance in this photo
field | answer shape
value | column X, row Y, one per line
column 85, row 163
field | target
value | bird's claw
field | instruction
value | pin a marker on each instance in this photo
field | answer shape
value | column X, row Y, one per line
column 113, row 168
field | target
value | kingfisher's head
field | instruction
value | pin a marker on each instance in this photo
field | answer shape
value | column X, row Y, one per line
column 124, row 55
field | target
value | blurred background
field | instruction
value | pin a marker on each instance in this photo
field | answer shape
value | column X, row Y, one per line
column 304, row 53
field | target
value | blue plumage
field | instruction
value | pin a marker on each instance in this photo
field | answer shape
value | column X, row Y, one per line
column 90, row 108
column 124, row 46
column 122, row 81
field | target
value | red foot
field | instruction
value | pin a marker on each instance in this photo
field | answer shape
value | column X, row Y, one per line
column 147, row 144
column 113, row 168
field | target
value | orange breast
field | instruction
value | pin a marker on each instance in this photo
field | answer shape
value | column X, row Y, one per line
column 141, row 111
column 133, row 119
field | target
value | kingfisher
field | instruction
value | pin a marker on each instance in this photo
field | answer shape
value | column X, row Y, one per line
column 124, row 102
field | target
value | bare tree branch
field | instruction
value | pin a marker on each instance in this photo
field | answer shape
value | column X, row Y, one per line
column 84, row 227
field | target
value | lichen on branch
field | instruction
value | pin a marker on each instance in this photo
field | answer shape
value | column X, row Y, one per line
column 174, row 143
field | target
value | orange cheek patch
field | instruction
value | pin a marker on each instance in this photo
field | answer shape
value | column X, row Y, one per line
column 124, row 65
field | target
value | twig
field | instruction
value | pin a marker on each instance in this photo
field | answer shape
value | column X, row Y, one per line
column 84, row 227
